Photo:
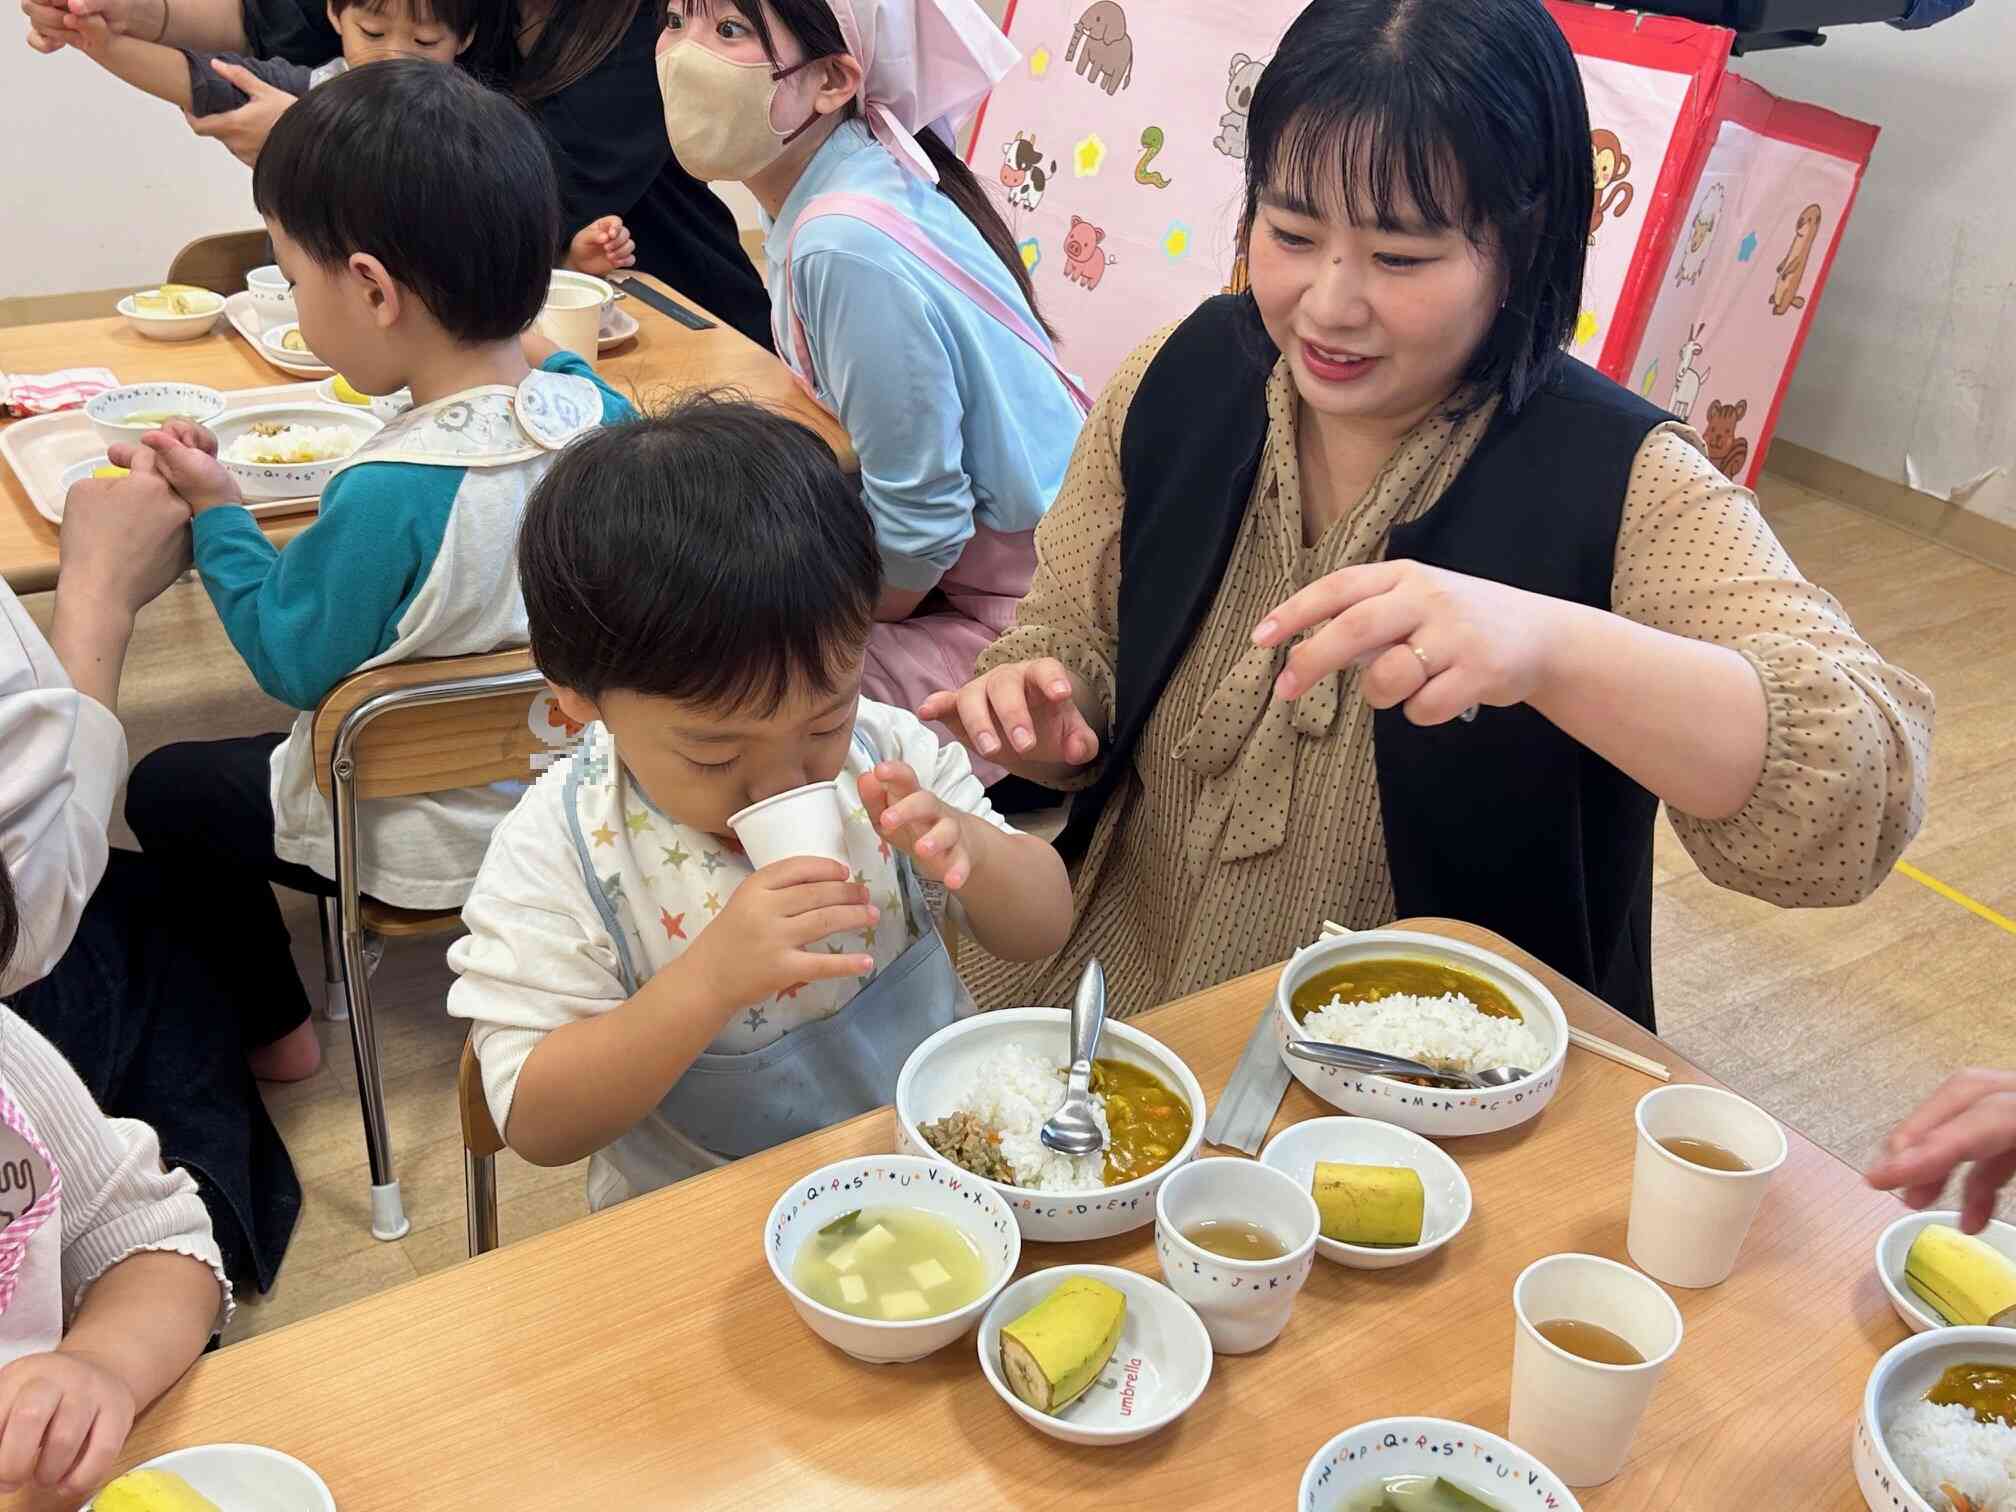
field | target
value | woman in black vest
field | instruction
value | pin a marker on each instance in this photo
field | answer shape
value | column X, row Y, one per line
column 1531, row 609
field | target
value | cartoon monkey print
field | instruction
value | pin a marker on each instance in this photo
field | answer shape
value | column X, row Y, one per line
column 1613, row 169
column 1785, row 293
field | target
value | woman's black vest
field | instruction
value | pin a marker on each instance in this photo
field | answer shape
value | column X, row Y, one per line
column 1504, row 822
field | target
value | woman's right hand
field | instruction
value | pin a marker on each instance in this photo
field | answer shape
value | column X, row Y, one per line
column 243, row 131
column 1025, row 716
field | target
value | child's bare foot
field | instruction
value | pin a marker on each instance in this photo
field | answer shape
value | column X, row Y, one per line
column 291, row 1058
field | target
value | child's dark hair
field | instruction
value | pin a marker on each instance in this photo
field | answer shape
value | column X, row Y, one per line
column 457, row 17
column 448, row 184
column 1471, row 109
column 817, row 29
column 713, row 553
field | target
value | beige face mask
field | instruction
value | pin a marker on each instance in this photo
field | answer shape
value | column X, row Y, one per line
column 717, row 112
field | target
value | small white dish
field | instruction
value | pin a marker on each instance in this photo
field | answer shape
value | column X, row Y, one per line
column 274, row 339
column 77, row 472
column 108, row 411
column 386, row 407
column 1482, row 1463
column 1901, row 1377
column 1244, row 1303
column 263, row 482
column 1438, row 1112
column 247, row 1478
column 1296, row 1150
column 618, row 326
column 1158, row 1370
column 902, row 1181
column 938, row 1071
column 158, row 326
column 1895, row 1245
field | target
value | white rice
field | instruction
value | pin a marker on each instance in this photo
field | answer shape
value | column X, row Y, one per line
column 1013, row 1091
column 294, row 444
column 1448, row 1032
column 1937, row 1446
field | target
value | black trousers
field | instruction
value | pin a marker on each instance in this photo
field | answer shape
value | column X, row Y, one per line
column 203, row 812
column 136, row 1008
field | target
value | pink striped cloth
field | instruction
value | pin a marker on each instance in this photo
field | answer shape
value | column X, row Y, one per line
column 46, row 393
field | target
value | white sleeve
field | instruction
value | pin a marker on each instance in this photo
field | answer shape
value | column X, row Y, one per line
column 118, row 1198
column 942, row 766
column 537, row 956
column 62, row 758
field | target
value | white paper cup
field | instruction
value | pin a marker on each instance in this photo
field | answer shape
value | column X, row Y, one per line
column 572, row 319
column 1573, row 1415
column 803, row 822
column 1688, row 1222
column 1244, row 1303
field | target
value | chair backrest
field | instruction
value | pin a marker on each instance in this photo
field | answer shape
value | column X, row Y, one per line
column 432, row 724
column 221, row 262
column 479, row 1133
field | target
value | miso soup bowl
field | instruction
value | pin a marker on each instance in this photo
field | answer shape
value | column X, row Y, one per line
column 938, row 1071
column 891, row 1181
column 1437, row 1112
column 1481, row 1463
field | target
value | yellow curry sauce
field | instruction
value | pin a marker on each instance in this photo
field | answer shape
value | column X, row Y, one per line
column 1987, row 1391
column 1148, row 1123
column 1369, row 981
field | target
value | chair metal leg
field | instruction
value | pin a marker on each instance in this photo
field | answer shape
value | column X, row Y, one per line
column 388, row 1212
column 335, row 998
column 479, row 1184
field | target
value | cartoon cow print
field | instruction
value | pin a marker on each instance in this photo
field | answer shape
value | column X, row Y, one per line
column 1024, row 173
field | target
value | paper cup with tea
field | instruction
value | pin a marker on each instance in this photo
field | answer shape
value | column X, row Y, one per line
column 806, row 821
column 1236, row 1240
column 1593, row 1339
column 572, row 319
column 1705, row 1157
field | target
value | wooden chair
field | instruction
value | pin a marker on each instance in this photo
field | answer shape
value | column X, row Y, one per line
column 221, row 262
column 396, row 732
column 481, row 1145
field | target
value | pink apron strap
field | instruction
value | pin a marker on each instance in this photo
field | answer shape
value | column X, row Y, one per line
column 14, row 1242
column 900, row 229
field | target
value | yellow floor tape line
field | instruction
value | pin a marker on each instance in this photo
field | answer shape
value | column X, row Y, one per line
column 1954, row 895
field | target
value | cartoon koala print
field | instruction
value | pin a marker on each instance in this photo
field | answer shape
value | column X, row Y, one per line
column 1245, row 78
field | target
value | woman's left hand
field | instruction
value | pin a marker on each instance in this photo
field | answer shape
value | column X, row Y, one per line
column 1436, row 642
column 243, row 131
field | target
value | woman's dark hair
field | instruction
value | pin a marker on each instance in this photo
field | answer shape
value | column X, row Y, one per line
column 10, row 919
column 713, row 553
column 446, row 183
column 459, row 17
column 576, row 36
column 1470, row 114
column 813, row 23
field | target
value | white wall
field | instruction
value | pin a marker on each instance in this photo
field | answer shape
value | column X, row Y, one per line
column 101, row 185
column 1912, row 353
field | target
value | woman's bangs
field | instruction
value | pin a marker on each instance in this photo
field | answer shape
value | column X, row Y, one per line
column 1373, row 162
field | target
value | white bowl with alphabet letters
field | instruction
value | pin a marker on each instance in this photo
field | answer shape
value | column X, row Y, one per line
column 1158, row 1369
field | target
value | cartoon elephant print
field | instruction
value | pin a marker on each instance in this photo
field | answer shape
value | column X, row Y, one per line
column 1245, row 78
column 1104, row 51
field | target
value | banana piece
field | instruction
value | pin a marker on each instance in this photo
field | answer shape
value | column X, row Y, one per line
column 1965, row 1280
column 152, row 1491
column 1056, row 1349
column 1383, row 1206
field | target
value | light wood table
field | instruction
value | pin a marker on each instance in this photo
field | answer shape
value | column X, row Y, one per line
column 664, row 358
column 645, row 1357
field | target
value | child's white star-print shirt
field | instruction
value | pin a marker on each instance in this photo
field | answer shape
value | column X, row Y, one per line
column 543, row 950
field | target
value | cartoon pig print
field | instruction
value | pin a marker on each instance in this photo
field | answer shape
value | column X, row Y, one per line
column 1085, row 259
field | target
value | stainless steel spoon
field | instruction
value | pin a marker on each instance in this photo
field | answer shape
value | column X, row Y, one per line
column 1347, row 1058
column 1072, row 1129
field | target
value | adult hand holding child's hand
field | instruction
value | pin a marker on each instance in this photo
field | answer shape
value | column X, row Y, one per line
column 186, row 455
column 124, row 540
column 917, row 822
column 53, row 24
column 768, row 938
